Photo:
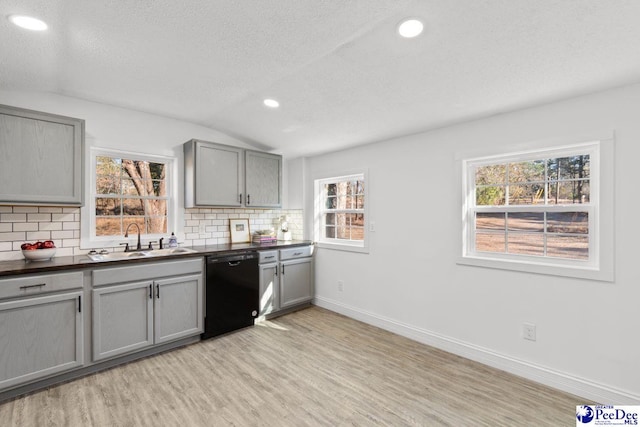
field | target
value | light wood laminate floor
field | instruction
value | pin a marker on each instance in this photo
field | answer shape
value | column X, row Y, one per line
column 309, row 368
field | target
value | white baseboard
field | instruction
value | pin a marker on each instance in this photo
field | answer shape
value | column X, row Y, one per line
column 592, row 392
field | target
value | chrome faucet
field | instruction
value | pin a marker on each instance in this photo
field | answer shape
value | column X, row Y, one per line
column 126, row 234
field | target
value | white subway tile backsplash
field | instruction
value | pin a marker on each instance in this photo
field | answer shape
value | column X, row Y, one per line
column 39, row 217
column 19, row 224
column 50, row 210
column 14, row 236
column 11, row 217
column 25, row 226
column 70, row 243
column 25, row 209
column 65, row 217
column 70, row 225
column 66, row 234
column 38, row 235
column 50, row 226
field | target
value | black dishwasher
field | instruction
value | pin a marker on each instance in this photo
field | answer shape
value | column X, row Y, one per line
column 232, row 292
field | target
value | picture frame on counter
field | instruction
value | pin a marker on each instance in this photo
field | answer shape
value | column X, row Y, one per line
column 239, row 230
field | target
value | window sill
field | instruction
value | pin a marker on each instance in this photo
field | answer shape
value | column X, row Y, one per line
column 589, row 273
column 343, row 247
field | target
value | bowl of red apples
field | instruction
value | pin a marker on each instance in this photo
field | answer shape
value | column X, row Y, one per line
column 38, row 251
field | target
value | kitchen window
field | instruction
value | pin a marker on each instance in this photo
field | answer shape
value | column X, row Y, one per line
column 341, row 219
column 126, row 189
column 538, row 211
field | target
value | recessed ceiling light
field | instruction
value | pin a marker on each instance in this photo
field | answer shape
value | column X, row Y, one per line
column 28, row 22
column 271, row 103
column 410, row 28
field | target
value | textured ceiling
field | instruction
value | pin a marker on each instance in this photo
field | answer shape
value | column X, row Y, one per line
column 342, row 75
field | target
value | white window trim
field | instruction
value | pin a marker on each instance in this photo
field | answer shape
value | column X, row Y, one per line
column 88, row 238
column 601, row 246
column 336, row 244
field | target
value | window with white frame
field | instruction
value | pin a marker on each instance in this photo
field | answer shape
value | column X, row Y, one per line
column 536, row 208
column 340, row 211
column 126, row 189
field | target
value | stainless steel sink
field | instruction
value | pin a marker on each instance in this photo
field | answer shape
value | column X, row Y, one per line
column 170, row 251
column 114, row 256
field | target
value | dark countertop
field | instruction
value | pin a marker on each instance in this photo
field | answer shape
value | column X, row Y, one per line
column 10, row 268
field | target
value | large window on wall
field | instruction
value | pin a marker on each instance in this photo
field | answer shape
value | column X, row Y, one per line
column 341, row 211
column 540, row 209
column 127, row 189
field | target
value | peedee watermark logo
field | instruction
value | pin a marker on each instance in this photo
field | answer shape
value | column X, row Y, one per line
column 607, row 415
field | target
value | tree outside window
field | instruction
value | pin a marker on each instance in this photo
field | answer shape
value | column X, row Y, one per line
column 130, row 191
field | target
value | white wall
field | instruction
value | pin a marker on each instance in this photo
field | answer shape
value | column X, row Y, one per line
column 409, row 282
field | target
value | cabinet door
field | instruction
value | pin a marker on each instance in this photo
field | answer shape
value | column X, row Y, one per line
column 263, row 179
column 296, row 282
column 269, row 289
column 218, row 175
column 49, row 147
column 40, row 336
column 179, row 308
column 122, row 319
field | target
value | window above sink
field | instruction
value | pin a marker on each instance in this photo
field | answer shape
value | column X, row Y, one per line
column 127, row 188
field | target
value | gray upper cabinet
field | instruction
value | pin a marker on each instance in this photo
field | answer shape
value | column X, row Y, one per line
column 213, row 174
column 41, row 158
column 222, row 175
column 263, row 179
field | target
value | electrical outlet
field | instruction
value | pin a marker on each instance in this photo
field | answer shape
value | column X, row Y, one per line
column 372, row 226
column 529, row 331
column 340, row 285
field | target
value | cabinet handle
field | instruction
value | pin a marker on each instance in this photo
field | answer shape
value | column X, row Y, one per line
column 79, row 303
column 248, row 199
column 283, row 269
column 240, row 198
column 297, row 253
column 234, row 263
column 269, row 257
column 157, row 291
column 150, row 291
column 39, row 285
column 276, row 273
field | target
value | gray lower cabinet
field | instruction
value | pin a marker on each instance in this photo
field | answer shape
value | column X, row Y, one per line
column 269, row 288
column 40, row 158
column 178, row 308
column 286, row 279
column 41, row 336
column 296, row 282
column 131, row 314
column 122, row 319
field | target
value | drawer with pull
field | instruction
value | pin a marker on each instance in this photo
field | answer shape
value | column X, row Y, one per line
column 297, row 252
column 34, row 285
column 267, row 257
